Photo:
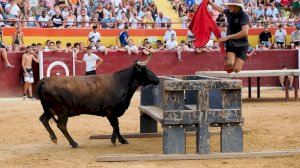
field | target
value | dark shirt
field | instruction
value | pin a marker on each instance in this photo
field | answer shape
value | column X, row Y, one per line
column 123, row 36
column 57, row 20
column 263, row 36
column 235, row 23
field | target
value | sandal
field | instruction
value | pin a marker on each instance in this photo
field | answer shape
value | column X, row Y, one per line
column 9, row 66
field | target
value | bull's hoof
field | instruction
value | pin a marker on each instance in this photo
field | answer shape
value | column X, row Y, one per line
column 113, row 141
column 124, row 141
column 74, row 145
column 54, row 139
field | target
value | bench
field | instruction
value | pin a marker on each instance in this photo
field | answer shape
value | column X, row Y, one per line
column 193, row 103
column 258, row 74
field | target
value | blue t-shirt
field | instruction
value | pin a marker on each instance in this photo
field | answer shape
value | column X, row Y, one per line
column 123, row 36
column 190, row 3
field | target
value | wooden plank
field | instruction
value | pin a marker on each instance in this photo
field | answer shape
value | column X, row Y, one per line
column 202, row 84
column 156, row 134
column 153, row 111
column 250, row 73
column 157, row 157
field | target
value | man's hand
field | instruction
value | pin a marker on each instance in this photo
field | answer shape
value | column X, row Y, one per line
column 26, row 74
column 223, row 39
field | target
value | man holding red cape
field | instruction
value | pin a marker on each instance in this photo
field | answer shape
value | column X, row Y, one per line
column 237, row 31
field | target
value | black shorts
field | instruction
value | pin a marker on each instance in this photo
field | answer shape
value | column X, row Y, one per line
column 93, row 72
column 280, row 43
column 296, row 43
column 240, row 52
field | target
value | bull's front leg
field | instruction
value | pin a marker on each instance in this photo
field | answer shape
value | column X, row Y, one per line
column 114, row 122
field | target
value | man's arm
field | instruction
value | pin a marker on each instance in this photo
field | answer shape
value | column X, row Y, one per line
column 35, row 57
column 23, row 64
column 241, row 34
column 216, row 7
column 100, row 61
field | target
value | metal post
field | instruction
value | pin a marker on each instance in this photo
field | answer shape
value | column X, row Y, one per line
column 249, row 87
column 258, row 87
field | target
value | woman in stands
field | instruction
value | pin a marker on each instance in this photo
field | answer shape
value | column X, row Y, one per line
column 18, row 41
column 70, row 20
column 3, row 51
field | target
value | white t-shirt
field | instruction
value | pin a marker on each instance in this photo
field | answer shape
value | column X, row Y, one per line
column 171, row 45
column 131, row 48
column 168, row 35
column 280, row 35
column 43, row 21
column 80, row 18
column 90, row 61
column 15, row 10
column 94, row 36
column 33, row 3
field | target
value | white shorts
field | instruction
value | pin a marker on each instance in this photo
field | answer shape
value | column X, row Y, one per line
column 29, row 78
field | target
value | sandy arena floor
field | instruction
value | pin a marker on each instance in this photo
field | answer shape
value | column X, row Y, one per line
column 24, row 142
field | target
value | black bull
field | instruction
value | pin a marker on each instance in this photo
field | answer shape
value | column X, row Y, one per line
column 102, row 95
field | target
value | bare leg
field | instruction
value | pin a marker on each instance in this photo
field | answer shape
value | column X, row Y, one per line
column 4, row 56
column 292, row 46
column 45, row 120
column 179, row 53
column 114, row 122
column 281, row 80
column 62, row 125
column 291, row 79
column 26, row 85
column 231, row 57
column 238, row 65
column 30, row 89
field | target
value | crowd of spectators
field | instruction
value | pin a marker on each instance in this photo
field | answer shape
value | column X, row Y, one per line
column 261, row 12
column 82, row 14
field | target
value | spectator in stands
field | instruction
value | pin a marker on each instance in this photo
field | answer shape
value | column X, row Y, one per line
column 131, row 48
column 68, row 48
column 27, row 58
column 169, row 33
column 108, row 22
column 57, row 20
column 134, row 20
column 122, row 21
column 160, row 45
column 38, row 10
column 94, row 36
column 69, row 21
column 215, row 47
column 172, row 44
column 148, row 20
column 100, row 47
column 94, row 22
column 265, row 38
column 76, row 49
column 259, row 11
column 250, row 51
column 12, row 9
column 18, row 41
column 182, row 47
column 59, row 47
column 43, row 20
column 161, row 20
column 282, row 80
column 3, row 53
column 90, row 60
column 295, row 38
column 83, row 19
column 123, row 37
column 272, row 11
column 31, row 20
column 280, row 37
column 147, row 48
column 119, row 10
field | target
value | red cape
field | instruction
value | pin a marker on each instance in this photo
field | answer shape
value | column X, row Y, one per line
column 202, row 25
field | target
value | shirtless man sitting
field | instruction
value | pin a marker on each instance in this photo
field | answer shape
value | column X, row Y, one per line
column 26, row 63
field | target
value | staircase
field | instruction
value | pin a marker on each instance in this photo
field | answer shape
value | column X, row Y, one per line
column 165, row 7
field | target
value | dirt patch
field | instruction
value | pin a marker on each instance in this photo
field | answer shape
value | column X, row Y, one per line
column 24, row 142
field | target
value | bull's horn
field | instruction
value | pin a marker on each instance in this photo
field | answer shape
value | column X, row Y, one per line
column 145, row 62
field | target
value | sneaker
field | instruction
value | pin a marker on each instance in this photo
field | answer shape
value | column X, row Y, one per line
column 31, row 98
column 24, row 97
column 282, row 88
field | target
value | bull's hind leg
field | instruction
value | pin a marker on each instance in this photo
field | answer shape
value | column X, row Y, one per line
column 45, row 120
column 62, row 125
column 114, row 122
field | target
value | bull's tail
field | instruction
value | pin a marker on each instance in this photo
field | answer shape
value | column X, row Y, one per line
column 41, row 96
